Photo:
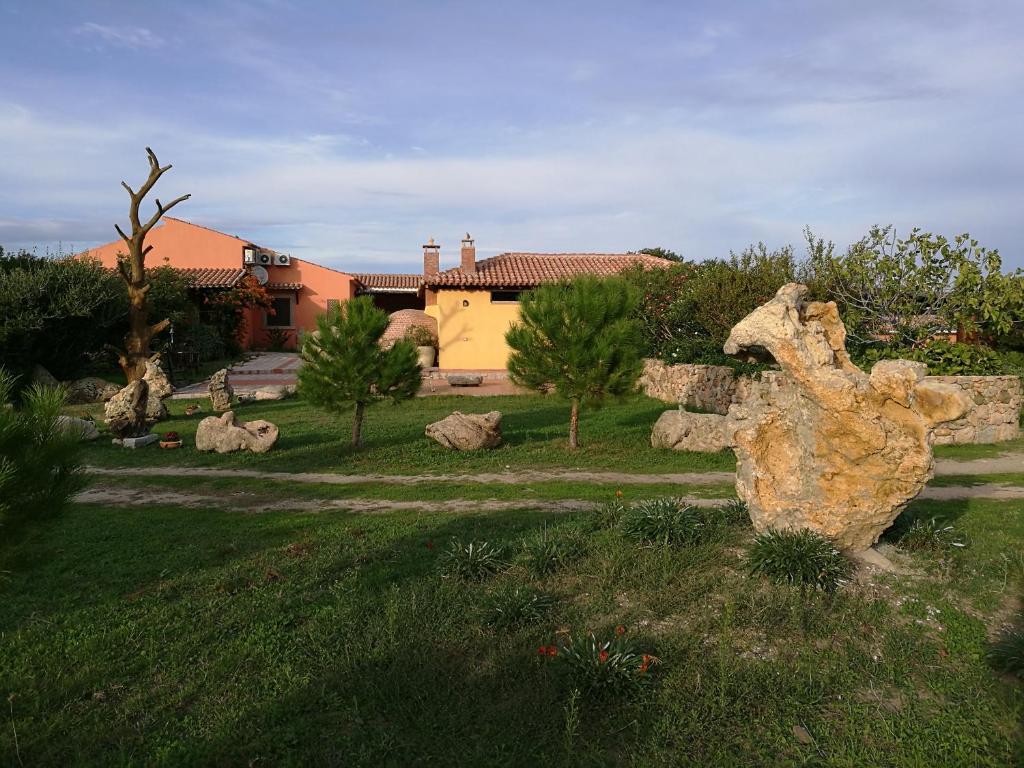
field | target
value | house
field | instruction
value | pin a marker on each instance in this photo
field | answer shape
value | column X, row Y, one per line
column 300, row 289
column 476, row 302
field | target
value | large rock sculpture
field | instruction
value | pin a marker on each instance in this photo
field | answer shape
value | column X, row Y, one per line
column 224, row 434
column 126, row 411
column 683, row 431
column 160, row 388
column 467, row 431
column 821, row 444
column 220, row 390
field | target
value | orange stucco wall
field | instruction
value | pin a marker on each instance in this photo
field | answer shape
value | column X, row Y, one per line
column 189, row 246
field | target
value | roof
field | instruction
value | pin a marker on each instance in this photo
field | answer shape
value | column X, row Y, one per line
column 387, row 283
column 272, row 286
column 212, row 278
column 526, row 270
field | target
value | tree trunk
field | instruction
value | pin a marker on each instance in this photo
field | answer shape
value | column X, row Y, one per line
column 574, row 424
column 357, row 425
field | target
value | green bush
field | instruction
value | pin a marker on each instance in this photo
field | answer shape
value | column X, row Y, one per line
column 474, row 561
column 40, row 467
column 799, row 558
column 942, row 358
column 546, row 552
column 420, row 337
column 516, row 607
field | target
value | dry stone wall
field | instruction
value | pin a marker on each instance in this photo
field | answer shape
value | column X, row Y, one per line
column 993, row 416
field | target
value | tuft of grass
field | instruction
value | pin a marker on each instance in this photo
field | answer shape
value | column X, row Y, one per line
column 614, row 667
column 667, row 521
column 1007, row 653
column 930, row 536
column 735, row 512
column 474, row 561
column 546, row 552
column 516, row 606
column 799, row 558
column 608, row 515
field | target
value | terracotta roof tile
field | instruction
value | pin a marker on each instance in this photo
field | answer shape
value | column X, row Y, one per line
column 283, row 286
column 526, row 270
column 382, row 282
column 212, row 278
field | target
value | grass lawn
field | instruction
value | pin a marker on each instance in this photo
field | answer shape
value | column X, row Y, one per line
column 535, row 428
column 161, row 636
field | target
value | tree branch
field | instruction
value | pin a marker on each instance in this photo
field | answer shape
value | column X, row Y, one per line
column 122, row 234
column 162, row 209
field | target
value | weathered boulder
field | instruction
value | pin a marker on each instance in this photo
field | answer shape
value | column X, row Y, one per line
column 465, row 379
column 81, row 428
column 160, row 387
column 467, row 431
column 43, row 377
column 820, row 444
column 684, row 431
column 91, row 390
column 221, row 391
column 268, row 392
column 126, row 411
column 224, row 434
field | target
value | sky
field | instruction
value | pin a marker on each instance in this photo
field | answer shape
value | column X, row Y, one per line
column 349, row 133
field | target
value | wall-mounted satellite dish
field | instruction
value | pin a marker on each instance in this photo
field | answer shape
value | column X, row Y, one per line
column 261, row 274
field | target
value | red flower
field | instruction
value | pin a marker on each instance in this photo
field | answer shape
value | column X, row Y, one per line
column 620, row 630
column 552, row 650
column 542, row 651
column 618, row 493
column 603, row 656
column 430, row 544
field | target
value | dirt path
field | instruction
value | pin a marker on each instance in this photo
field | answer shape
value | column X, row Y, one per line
column 506, row 478
column 1009, row 462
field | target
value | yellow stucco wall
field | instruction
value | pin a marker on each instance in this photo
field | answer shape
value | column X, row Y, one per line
column 472, row 336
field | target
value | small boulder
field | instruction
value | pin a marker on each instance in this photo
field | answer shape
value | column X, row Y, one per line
column 82, row 428
column 467, row 431
column 43, row 377
column 684, row 431
column 221, row 391
column 268, row 392
column 465, row 379
column 91, row 390
column 224, row 434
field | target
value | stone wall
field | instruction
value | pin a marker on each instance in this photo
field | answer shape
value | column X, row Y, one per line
column 994, row 415
column 708, row 388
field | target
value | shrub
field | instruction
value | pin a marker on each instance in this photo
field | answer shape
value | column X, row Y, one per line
column 473, row 561
column 942, row 358
column 545, row 552
column 419, row 336
column 277, row 339
column 608, row 515
column 930, row 536
column 40, row 468
column 666, row 521
column 799, row 558
column 603, row 668
column 516, row 607
column 735, row 512
column 1007, row 654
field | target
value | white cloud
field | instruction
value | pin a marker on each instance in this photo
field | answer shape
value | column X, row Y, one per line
column 133, row 38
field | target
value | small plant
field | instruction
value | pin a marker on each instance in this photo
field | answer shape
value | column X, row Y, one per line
column 608, row 515
column 930, row 536
column 516, row 607
column 277, row 339
column 473, row 561
column 799, row 558
column 420, row 336
column 666, row 522
column 602, row 668
column 735, row 512
column 1007, row 653
column 170, row 437
column 546, row 552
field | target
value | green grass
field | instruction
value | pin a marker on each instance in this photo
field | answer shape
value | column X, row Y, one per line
column 614, row 438
column 994, row 479
column 983, row 451
column 169, row 637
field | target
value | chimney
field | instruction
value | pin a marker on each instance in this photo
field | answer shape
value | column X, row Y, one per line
column 468, row 254
column 431, row 258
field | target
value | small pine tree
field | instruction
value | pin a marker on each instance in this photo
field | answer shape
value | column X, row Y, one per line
column 344, row 362
column 581, row 339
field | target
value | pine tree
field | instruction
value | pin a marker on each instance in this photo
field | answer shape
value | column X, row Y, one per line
column 579, row 338
column 344, row 363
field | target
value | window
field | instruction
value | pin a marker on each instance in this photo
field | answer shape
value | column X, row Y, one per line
column 282, row 317
column 504, row 296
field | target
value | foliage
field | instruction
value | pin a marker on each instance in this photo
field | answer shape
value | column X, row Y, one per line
column 942, row 358
column 40, row 463
column 545, row 552
column 56, row 312
column 278, row 338
column 902, row 291
column 930, row 535
column 516, row 606
column 799, row 558
column 1007, row 654
column 420, row 336
column 615, row 667
column 668, row 521
column 735, row 512
column 608, row 515
column 345, row 363
column 473, row 561
column 579, row 338
column 662, row 253
column 227, row 310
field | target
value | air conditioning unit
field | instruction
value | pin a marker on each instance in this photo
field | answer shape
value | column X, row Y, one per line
column 265, row 259
column 282, row 259
column 248, row 255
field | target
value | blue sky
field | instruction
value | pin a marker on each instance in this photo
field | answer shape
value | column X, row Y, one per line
column 349, row 133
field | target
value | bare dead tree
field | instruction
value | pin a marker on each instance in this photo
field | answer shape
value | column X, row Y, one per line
column 132, row 269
